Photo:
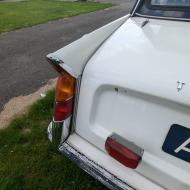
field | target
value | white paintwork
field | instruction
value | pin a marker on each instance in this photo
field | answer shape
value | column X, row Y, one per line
column 130, row 86
column 76, row 55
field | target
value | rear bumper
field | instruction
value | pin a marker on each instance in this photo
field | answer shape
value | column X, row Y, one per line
column 100, row 165
column 99, row 173
column 95, row 170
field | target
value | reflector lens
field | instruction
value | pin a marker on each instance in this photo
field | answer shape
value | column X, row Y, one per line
column 65, row 87
column 121, row 153
column 62, row 110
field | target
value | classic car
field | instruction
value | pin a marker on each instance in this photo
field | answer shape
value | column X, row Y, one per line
column 122, row 100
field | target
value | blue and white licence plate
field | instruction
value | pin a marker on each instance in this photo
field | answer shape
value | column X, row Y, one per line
column 177, row 142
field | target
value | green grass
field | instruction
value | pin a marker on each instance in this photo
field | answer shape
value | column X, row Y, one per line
column 14, row 15
column 28, row 160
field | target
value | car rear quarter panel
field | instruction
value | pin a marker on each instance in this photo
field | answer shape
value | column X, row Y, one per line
column 130, row 87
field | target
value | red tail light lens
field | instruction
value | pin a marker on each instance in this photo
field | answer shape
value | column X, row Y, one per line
column 62, row 110
column 123, row 151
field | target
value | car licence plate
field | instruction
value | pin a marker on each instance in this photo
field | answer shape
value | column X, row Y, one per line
column 177, row 142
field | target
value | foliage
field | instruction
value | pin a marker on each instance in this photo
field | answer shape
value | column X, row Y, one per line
column 28, row 160
column 14, row 15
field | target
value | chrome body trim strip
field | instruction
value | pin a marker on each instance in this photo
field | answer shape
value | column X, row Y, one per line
column 77, row 92
column 95, row 170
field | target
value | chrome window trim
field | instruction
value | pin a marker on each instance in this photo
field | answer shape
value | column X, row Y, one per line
column 135, row 8
column 157, row 17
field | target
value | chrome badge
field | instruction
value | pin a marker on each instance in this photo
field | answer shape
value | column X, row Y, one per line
column 180, row 85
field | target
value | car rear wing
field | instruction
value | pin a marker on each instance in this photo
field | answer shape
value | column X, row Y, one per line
column 74, row 56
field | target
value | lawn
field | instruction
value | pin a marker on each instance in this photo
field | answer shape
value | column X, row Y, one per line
column 28, row 160
column 14, row 15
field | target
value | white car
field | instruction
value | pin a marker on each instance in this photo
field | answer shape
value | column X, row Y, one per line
column 122, row 104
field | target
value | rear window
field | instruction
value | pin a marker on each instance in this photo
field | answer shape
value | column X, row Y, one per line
column 171, row 3
column 175, row 9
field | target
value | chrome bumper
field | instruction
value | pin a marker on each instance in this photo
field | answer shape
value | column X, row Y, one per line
column 99, row 173
column 58, row 132
column 54, row 132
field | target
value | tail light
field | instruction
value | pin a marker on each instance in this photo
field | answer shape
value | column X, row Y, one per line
column 64, row 92
column 64, row 96
column 60, row 128
column 123, row 151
